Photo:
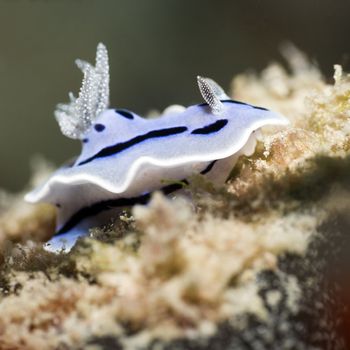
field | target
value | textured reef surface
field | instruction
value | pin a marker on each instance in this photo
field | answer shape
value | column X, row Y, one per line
column 260, row 263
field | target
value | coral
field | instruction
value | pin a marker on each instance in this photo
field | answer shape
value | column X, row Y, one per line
column 211, row 267
column 20, row 221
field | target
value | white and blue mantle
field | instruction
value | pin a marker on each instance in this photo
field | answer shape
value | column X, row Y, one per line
column 125, row 157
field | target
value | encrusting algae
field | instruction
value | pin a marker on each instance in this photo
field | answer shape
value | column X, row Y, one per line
column 179, row 268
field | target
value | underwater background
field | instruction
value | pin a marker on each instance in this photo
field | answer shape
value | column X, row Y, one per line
column 156, row 50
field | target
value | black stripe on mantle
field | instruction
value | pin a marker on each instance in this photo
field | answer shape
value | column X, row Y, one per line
column 209, row 129
column 121, row 146
column 99, row 207
column 237, row 103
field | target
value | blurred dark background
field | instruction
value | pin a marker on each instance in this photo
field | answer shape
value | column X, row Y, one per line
column 156, row 48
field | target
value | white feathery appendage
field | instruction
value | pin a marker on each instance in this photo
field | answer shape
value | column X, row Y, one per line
column 212, row 93
column 102, row 70
column 217, row 89
column 76, row 117
column 83, row 65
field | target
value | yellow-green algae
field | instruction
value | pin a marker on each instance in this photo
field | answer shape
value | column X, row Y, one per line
column 176, row 268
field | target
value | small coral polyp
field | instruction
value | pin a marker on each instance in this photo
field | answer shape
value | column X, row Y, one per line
column 125, row 157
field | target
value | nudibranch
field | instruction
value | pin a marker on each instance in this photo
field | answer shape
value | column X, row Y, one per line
column 125, row 157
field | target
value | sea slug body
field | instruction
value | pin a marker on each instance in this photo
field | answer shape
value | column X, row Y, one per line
column 125, row 157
